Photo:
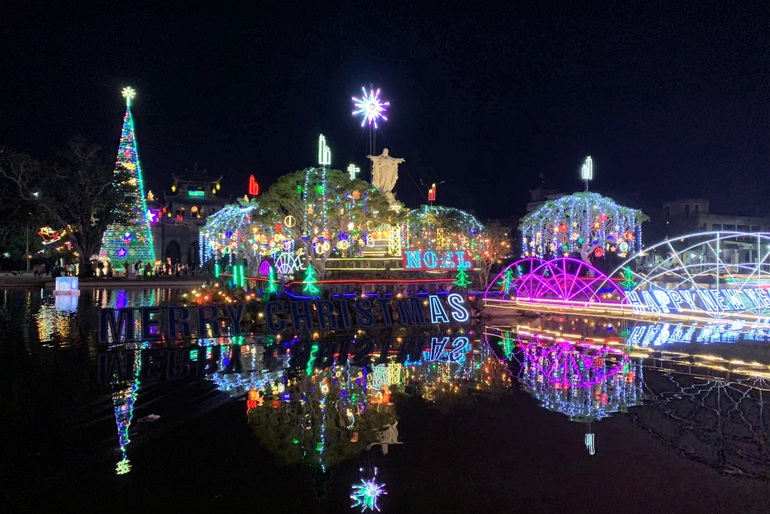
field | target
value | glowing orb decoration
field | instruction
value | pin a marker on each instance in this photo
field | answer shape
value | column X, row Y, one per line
column 366, row 493
column 370, row 107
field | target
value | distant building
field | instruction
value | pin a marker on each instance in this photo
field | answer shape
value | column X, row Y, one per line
column 179, row 217
column 692, row 215
column 541, row 194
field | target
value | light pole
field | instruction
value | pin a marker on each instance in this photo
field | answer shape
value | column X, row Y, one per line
column 36, row 194
column 28, row 262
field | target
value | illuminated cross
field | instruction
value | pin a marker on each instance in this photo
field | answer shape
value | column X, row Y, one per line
column 587, row 170
column 324, row 152
column 353, row 170
column 128, row 93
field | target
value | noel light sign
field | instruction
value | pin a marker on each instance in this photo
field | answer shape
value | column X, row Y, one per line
column 427, row 260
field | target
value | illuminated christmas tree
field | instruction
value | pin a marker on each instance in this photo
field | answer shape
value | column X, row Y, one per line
column 272, row 283
column 628, row 282
column 130, row 239
column 461, row 279
column 507, row 281
column 310, row 280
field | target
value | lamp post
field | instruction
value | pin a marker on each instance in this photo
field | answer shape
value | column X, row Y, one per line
column 29, row 264
column 36, row 195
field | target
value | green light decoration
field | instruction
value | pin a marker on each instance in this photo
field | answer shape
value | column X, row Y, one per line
column 461, row 279
column 507, row 281
column 272, row 282
column 131, row 239
column 310, row 281
column 628, row 282
column 216, row 270
column 508, row 344
column 123, row 467
column 239, row 278
column 311, row 359
column 366, row 493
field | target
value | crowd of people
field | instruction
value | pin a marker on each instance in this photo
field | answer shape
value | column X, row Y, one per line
column 139, row 269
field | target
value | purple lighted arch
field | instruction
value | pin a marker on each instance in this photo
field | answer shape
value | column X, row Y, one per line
column 563, row 278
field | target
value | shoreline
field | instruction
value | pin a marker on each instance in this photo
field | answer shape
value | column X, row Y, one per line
column 47, row 282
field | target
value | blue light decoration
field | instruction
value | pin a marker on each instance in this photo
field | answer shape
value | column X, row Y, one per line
column 131, row 237
column 366, row 494
column 370, row 107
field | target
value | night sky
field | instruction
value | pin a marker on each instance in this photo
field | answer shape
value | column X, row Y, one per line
column 671, row 102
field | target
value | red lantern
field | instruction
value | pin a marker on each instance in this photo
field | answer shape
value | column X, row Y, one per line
column 599, row 252
column 563, row 227
column 278, row 227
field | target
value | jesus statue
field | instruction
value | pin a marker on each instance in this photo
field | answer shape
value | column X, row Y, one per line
column 384, row 171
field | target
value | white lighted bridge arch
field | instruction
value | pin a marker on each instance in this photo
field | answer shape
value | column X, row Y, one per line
column 711, row 273
column 704, row 275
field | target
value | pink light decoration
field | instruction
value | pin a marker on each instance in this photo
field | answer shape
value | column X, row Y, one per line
column 564, row 278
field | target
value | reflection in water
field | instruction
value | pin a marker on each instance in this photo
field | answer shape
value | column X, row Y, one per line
column 124, row 393
column 584, row 380
column 317, row 402
column 712, row 416
column 366, row 493
column 709, row 407
column 56, row 316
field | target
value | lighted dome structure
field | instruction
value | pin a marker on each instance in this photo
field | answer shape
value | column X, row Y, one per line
column 434, row 227
column 586, row 223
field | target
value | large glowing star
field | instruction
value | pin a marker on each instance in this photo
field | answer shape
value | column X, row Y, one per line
column 128, row 93
column 121, row 252
column 370, row 107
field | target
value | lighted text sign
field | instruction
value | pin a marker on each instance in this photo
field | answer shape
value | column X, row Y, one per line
column 704, row 300
column 118, row 325
column 427, row 260
column 666, row 333
column 207, row 357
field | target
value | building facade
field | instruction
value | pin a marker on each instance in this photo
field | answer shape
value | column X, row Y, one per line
column 178, row 217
